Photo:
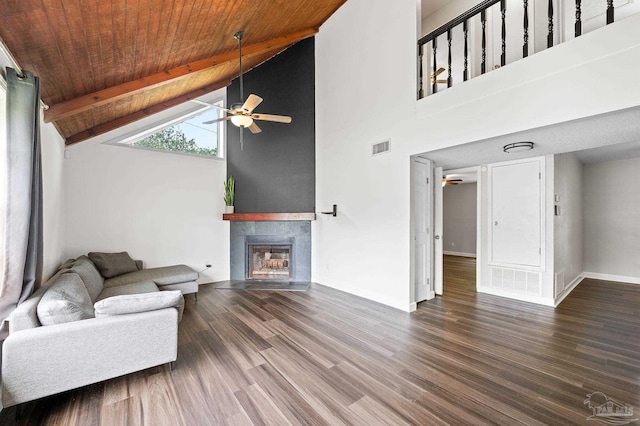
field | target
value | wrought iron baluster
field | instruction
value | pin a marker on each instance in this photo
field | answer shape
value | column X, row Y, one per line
column 578, row 25
column 525, row 45
column 449, row 77
column 609, row 12
column 503, row 12
column 483, row 20
column 465, row 30
column 550, row 18
column 434, row 78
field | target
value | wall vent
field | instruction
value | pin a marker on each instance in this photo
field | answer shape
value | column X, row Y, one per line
column 381, row 147
column 516, row 280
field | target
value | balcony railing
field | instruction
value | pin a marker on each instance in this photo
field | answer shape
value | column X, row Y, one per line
column 478, row 15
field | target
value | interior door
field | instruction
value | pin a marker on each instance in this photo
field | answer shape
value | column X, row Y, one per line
column 421, row 194
column 437, row 230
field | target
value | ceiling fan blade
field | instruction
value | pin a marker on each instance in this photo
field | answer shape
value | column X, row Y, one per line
column 441, row 81
column 254, row 128
column 251, row 103
column 217, row 120
column 271, row 117
column 437, row 73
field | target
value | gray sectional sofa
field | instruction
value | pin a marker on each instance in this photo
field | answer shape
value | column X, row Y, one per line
column 81, row 328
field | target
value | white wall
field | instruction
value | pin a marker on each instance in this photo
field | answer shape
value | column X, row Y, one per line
column 460, row 219
column 366, row 91
column 611, row 199
column 162, row 208
column 568, row 231
column 53, row 193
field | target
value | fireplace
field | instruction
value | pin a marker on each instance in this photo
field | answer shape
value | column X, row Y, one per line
column 271, row 250
column 269, row 262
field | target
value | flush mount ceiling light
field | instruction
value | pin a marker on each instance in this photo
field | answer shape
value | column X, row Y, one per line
column 517, row 147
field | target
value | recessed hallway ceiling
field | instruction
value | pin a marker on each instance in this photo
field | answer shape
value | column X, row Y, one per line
column 605, row 137
column 108, row 63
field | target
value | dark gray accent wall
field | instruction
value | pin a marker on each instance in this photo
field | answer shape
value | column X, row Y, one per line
column 275, row 173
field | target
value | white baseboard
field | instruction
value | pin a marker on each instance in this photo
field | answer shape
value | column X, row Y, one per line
column 546, row 301
column 458, row 253
column 577, row 280
column 370, row 295
column 413, row 306
column 610, row 277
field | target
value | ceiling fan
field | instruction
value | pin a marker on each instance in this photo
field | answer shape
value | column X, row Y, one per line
column 446, row 181
column 434, row 75
column 242, row 115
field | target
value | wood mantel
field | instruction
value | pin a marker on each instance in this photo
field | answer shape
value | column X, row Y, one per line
column 272, row 217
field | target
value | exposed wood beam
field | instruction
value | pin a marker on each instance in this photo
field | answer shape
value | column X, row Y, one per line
column 115, row 93
column 123, row 121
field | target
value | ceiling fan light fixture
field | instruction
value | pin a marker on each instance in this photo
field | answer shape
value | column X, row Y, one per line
column 517, row 147
column 241, row 120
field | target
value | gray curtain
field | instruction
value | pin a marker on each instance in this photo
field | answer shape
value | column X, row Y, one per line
column 22, row 260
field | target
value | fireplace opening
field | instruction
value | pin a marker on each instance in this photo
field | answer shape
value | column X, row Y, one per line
column 269, row 262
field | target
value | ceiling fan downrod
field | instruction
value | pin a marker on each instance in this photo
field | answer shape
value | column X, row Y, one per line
column 238, row 36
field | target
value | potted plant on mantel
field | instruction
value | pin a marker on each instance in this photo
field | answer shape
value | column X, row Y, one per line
column 229, row 191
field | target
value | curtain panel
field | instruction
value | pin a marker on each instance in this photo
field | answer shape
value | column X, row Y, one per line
column 22, row 242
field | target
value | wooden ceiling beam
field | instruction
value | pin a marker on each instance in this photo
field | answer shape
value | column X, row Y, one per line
column 123, row 121
column 115, row 93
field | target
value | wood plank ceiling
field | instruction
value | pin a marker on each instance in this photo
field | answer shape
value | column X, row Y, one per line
column 104, row 64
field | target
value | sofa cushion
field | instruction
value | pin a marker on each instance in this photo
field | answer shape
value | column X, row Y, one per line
column 89, row 274
column 161, row 276
column 65, row 300
column 133, row 288
column 25, row 316
column 134, row 303
column 66, row 264
column 113, row 264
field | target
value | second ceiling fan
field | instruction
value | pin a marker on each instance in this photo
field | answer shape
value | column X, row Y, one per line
column 242, row 115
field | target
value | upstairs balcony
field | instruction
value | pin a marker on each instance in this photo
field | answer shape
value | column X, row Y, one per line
column 495, row 33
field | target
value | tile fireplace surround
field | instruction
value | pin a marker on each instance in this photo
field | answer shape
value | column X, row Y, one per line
column 267, row 232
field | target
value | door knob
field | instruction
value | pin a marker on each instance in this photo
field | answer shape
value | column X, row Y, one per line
column 437, row 237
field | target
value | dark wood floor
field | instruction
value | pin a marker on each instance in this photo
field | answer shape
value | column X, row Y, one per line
column 325, row 357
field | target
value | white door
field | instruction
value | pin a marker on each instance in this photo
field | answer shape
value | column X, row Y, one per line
column 421, row 195
column 516, row 213
column 437, row 230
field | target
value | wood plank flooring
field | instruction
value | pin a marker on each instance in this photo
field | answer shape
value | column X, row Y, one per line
column 323, row 357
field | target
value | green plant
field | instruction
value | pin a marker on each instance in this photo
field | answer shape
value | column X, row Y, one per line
column 229, row 190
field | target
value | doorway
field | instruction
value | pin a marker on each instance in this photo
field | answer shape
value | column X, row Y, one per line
column 460, row 228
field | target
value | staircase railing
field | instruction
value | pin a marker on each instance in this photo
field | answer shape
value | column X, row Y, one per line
column 431, row 39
